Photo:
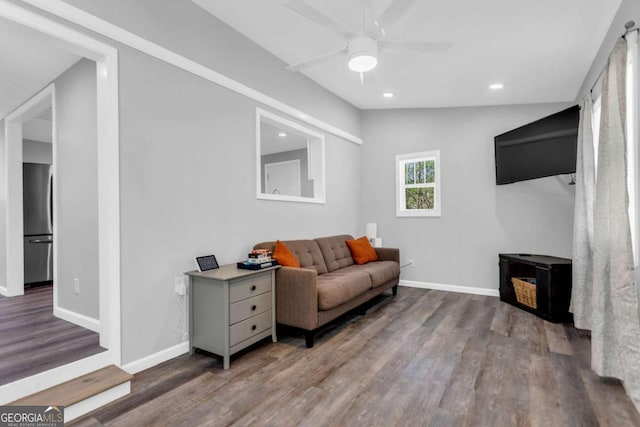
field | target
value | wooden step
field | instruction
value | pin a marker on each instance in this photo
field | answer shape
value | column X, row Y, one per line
column 78, row 389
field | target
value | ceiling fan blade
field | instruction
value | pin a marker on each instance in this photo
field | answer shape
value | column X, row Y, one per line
column 394, row 12
column 376, row 31
column 318, row 17
column 414, row 47
column 306, row 64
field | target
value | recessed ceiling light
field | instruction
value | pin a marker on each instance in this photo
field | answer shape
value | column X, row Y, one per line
column 388, row 94
column 282, row 135
column 496, row 86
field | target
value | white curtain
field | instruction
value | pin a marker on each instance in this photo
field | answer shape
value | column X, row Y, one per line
column 582, row 289
column 615, row 336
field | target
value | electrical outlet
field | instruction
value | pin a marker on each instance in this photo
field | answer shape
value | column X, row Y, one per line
column 179, row 286
column 76, row 286
column 411, row 263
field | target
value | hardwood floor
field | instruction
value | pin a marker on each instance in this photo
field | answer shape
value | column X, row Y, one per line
column 424, row 358
column 33, row 340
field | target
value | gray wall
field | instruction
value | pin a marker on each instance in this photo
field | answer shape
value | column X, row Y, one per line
column 187, row 189
column 187, row 155
column 479, row 219
column 76, row 175
column 36, row 152
column 306, row 185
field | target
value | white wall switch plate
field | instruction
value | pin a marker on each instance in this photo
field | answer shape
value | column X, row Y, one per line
column 179, row 286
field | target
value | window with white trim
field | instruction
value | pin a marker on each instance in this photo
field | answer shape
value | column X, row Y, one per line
column 418, row 184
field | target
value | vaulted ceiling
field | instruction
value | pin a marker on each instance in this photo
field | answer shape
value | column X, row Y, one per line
column 540, row 50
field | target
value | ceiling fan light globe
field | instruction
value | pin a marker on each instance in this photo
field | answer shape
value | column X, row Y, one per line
column 363, row 54
column 361, row 63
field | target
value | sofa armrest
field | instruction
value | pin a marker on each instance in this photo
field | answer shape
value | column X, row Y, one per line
column 297, row 297
column 388, row 254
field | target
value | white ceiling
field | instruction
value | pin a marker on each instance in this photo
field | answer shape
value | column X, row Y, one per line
column 540, row 49
column 30, row 61
column 38, row 129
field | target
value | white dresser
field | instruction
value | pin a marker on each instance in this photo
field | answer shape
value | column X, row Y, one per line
column 230, row 309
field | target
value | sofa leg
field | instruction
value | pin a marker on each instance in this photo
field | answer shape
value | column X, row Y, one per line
column 308, row 338
column 395, row 290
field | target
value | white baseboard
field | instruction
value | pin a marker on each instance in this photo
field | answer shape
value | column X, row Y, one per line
column 78, row 319
column 4, row 291
column 156, row 358
column 44, row 380
column 450, row 288
column 94, row 402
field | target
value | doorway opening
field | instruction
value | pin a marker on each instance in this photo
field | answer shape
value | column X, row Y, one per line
column 106, row 190
column 283, row 178
column 37, row 197
column 29, row 164
column 52, row 324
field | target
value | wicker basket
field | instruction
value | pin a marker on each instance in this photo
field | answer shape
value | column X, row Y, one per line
column 525, row 288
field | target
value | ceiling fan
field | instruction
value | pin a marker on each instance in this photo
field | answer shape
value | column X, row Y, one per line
column 363, row 48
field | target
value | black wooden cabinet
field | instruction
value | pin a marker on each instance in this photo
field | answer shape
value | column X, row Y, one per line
column 553, row 283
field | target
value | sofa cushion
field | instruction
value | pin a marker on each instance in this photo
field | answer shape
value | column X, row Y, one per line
column 380, row 272
column 339, row 287
column 284, row 256
column 361, row 250
column 335, row 251
column 306, row 251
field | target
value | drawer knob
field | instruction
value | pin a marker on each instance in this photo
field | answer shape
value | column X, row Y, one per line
column 253, row 327
column 253, row 288
column 253, row 308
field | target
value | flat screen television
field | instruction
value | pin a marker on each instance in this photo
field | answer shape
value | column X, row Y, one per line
column 545, row 147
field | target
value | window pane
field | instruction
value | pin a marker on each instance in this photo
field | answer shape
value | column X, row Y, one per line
column 430, row 171
column 419, row 198
column 410, row 173
column 419, row 172
column 427, row 197
column 411, row 197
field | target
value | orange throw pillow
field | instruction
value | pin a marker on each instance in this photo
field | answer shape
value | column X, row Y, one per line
column 362, row 251
column 284, row 256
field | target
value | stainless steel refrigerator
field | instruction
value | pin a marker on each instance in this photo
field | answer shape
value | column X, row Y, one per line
column 38, row 223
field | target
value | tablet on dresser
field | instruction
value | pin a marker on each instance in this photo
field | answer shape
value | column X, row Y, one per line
column 206, row 263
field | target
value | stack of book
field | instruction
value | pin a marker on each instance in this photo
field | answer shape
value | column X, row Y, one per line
column 258, row 259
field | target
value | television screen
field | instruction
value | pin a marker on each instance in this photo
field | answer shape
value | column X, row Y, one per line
column 545, row 147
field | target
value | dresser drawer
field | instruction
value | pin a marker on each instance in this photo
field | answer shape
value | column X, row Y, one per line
column 249, row 307
column 250, row 327
column 249, row 287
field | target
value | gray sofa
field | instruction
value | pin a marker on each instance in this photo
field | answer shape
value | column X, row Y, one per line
column 329, row 283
